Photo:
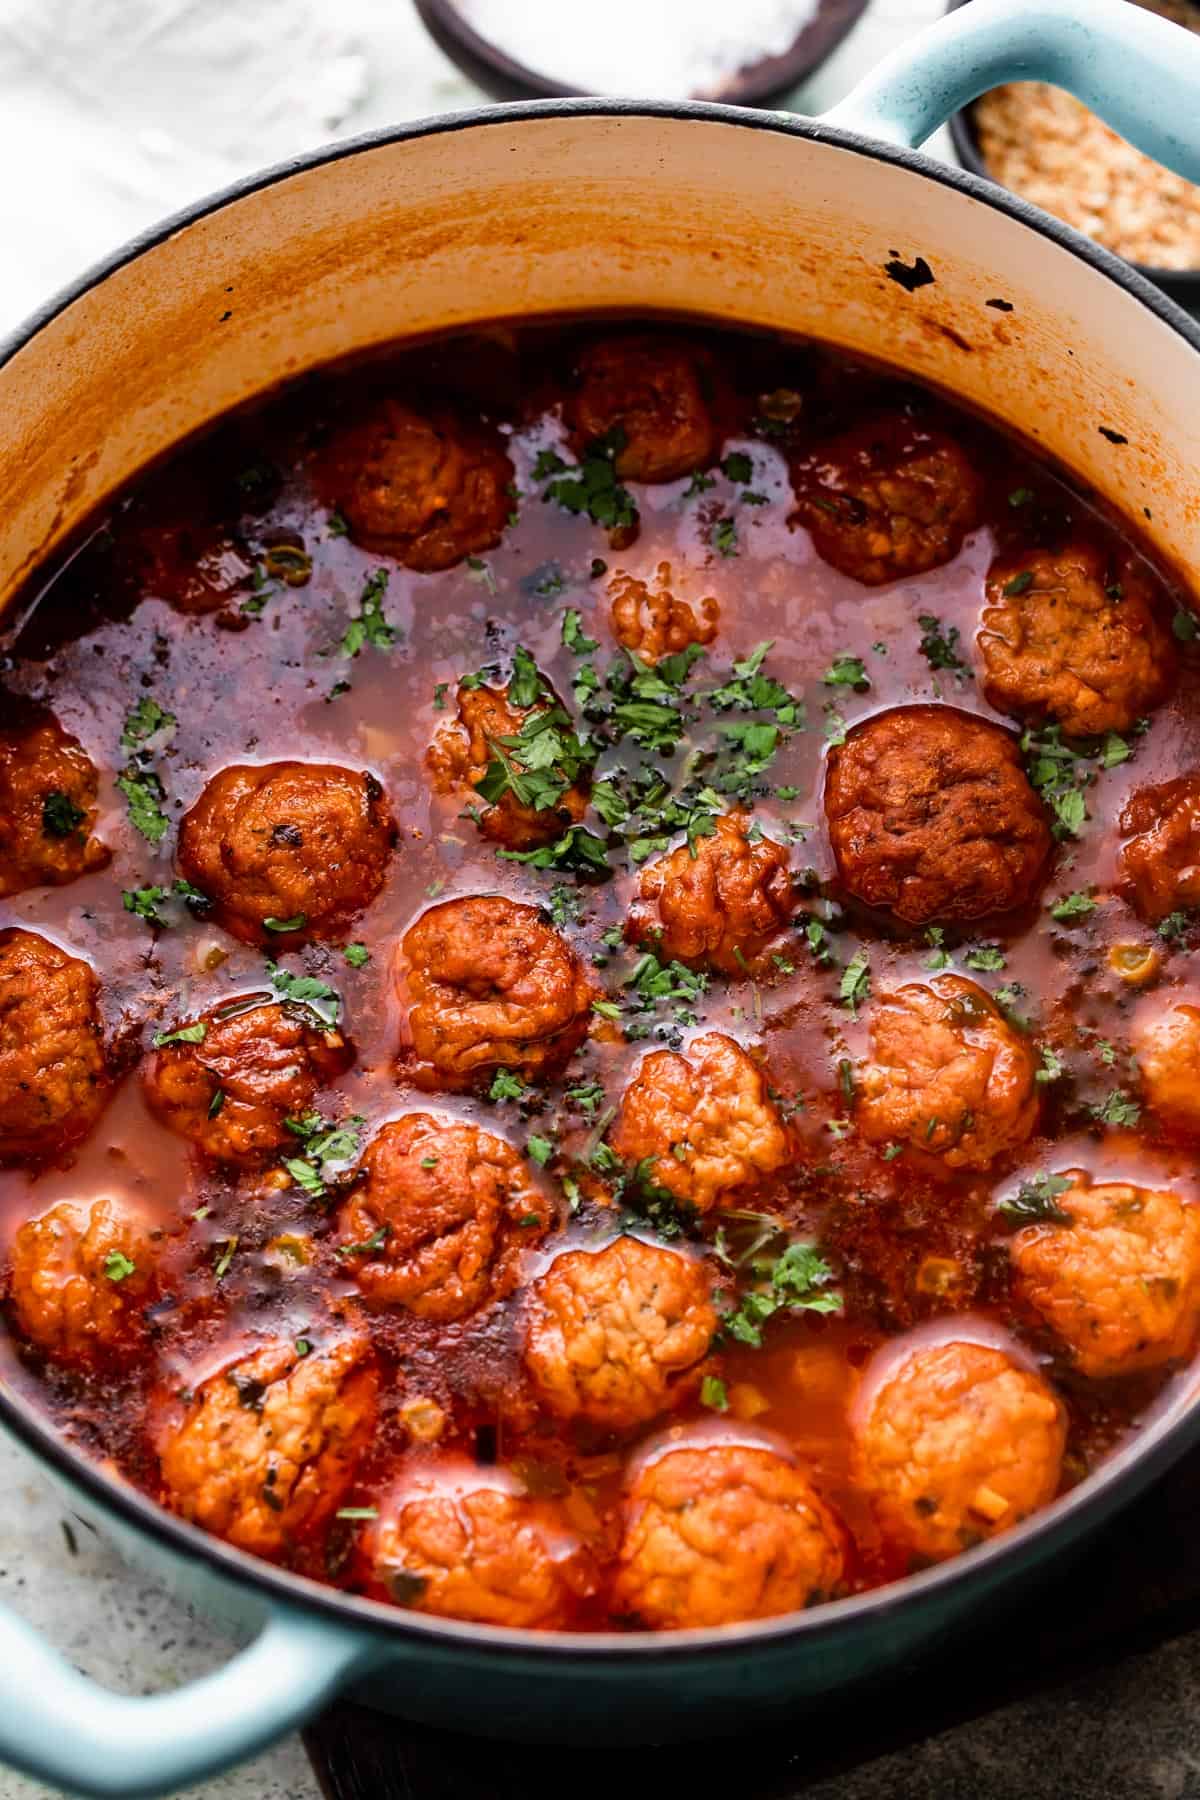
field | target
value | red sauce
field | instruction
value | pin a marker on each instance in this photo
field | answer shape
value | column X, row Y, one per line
column 909, row 1243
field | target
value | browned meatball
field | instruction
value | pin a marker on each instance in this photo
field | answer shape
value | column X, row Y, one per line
column 655, row 392
column 1166, row 1040
column 459, row 1541
column 948, row 1074
column 613, row 1335
column 719, row 905
column 301, row 845
column 426, row 487
column 705, row 1120
column 931, row 816
column 724, row 1532
column 1118, row 1280
column 80, row 1276
column 957, row 1445
column 652, row 621
column 1160, row 860
column 480, row 755
column 53, row 1079
column 1063, row 637
column 446, row 1209
column 255, row 1065
column 887, row 499
column 262, row 1453
column 47, row 805
column 488, row 986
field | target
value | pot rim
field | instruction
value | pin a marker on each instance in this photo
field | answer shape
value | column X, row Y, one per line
column 1146, row 1455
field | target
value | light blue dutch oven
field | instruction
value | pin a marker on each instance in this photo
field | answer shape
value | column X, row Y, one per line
column 833, row 227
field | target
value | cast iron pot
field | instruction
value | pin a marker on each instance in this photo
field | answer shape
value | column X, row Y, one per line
column 833, row 227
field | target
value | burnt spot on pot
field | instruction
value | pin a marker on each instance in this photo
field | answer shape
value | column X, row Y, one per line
column 910, row 276
column 1114, row 437
column 1000, row 305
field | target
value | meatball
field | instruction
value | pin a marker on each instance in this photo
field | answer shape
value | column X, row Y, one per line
column 652, row 622
column 255, row 1065
column 1166, row 1039
column 704, row 1120
column 654, row 393
column 428, row 488
column 79, row 1276
column 613, row 1335
column 287, row 844
column 887, row 499
column 1160, row 860
column 53, row 1076
column 948, row 1074
column 47, row 805
column 458, row 1541
column 957, row 1445
column 486, row 755
column 723, row 1532
column 262, row 1452
column 718, row 904
column 446, row 1208
column 931, row 816
column 1061, row 637
column 1117, row 1278
column 488, row 986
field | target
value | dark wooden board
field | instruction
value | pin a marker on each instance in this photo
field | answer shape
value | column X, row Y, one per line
column 1136, row 1586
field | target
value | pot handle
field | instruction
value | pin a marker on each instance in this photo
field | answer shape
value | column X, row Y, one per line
column 67, row 1730
column 1140, row 73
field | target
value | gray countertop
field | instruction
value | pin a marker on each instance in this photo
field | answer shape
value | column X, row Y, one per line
column 1130, row 1732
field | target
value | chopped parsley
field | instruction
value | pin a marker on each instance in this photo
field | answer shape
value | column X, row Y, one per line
column 1073, row 906
column 986, row 958
column 370, row 625
column 797, row 1281
column 60, row 815
column 725, row 537
column 713, row 1394
column 186, row 1034
column 117, row 1266
column 145, row 792
column 506, row 1085
column 145, row 721
column 854, row 988
column 540, row 1150
column 847, row 671
column 308, row 992
column 573, row 635
column 939, row 647
column 1116, row 1109
column 592, row 487
column 357, row 955
column 1036, row 1201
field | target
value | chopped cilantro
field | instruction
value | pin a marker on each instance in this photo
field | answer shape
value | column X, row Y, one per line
column 540, row 1150
column 577, row 849
column 144, row 792
column 1050, row 1068
column 186, row 1034
column 1036, row 1201
column 855, row 985
column 737, row 467
column 796, row 1281
column 117, row 1266
column 506, row 1085
column 985, row 957
column 725, row 537
column 1185, row 625
column 713, row 1394
column 306, row 991
column 60, row 815
column 357, row 955
column 147, row 720
column 1073, row 906
column 1116, row 1109
column 939, row 647
column 296, row 923
column 1020, row 496
column 573, row 635
column 847, row 671
column 1019, row 584
column 370, row 626
column 592, row 487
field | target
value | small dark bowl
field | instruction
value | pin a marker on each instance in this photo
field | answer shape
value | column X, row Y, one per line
column 761, row 84
column 1181, row 285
